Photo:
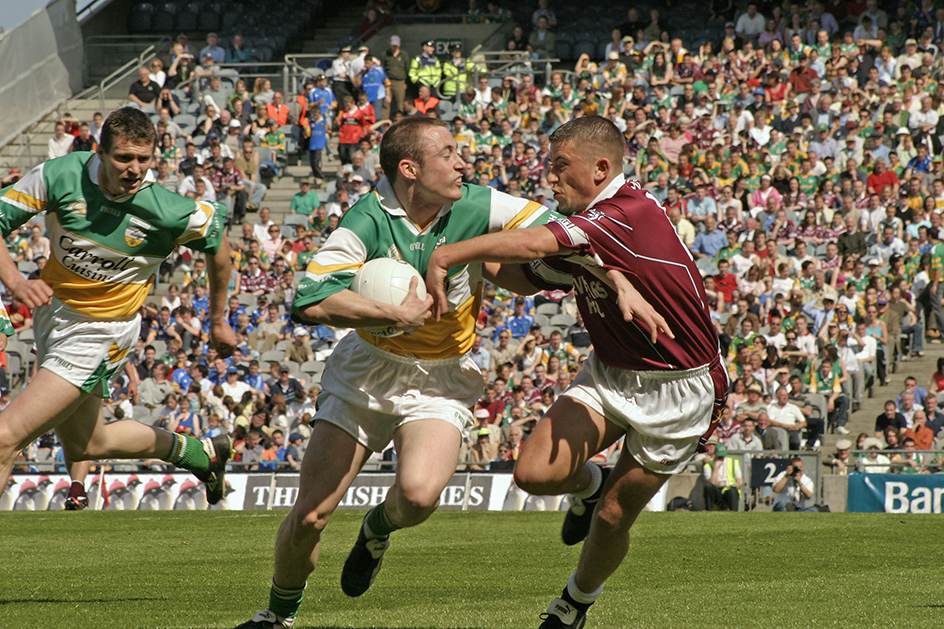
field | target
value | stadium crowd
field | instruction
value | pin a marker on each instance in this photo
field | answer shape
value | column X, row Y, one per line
column 799, row 157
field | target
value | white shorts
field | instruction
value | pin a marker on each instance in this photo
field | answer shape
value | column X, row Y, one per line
column 664, row 413
column 369, row 392
column 86, row 352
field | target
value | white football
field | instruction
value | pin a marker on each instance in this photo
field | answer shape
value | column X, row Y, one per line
column 387, row 280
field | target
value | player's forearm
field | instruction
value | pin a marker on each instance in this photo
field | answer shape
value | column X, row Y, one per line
column 515, row 246
column 219, row 270
column 9, row 273
column 347, row 309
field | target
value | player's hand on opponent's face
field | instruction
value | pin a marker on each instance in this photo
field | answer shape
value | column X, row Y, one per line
column 436, row 285
column 222, row 338
column 33, row 293
column 414, row 311
column 634, row 306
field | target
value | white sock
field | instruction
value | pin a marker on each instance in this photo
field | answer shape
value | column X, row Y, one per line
column 596, row 480
column 580, row 596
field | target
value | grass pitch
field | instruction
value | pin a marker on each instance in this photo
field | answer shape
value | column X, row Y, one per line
column 130, row 570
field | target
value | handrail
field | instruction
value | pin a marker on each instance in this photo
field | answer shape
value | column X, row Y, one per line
column 118, row 75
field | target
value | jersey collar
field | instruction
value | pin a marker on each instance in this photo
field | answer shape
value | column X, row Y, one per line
column 610, row 190
column 94, row 166
column 391, row 204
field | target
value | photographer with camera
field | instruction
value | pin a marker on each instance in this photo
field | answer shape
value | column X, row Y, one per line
column 793, row 489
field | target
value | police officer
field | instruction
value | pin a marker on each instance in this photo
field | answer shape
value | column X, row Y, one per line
column 426, row 69
column 456, row 72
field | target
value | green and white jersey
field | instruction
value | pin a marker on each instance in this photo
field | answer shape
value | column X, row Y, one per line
column 106, row 250
column 378, row 227
column 6, row 326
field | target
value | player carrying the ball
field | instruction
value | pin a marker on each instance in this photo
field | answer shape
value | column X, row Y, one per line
column 415, row 389
column 662, row 392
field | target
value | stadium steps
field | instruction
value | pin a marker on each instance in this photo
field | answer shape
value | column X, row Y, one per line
column 864, row 419
column 341, row 24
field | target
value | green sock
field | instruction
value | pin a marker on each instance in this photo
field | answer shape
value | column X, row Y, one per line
column 189, row 454
column 378, row 524
column 284, row 603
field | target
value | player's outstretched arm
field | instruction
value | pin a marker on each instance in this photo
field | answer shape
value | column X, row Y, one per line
column 347, row 309
column 219, row 269
column 513, row 246
column 33, row 293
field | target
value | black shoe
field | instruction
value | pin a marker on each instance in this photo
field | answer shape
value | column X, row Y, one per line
column 562, row 615
column 267, row 620
column 218, row 449
column 577, row 521
column 76, row 503
column 363, row 563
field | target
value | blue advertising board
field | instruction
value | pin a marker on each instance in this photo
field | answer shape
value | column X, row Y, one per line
column 895, row 493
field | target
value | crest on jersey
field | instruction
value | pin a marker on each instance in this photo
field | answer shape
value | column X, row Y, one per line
column 136, row 232
column 394, row 253
column 78, row 207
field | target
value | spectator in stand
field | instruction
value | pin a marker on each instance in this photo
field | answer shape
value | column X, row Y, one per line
column 299, row 351
column 61, row 142
column 520, row 322
column 541, row 41
column 396, row 64
column 144, row 91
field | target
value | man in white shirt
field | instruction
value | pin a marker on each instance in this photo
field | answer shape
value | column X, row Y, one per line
column 866, row 347
column 60, row 144
column 746, row 439
column 793, row 489
column 750, row 24
column 233, row 386
column 806, row 342
column 189, row 184
column 776, row 337
column 260, row 231
column 784, row 414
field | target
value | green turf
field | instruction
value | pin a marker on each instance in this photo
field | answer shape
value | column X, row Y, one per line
column 130, row 570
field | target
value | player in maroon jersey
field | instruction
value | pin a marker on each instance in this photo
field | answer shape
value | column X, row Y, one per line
column 656, row 378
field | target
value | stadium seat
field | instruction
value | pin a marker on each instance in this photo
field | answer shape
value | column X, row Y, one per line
column 550, row 329
column 142, row 414
column 295, row 219
column 208, row 19
column 288, row 231
column 246, row 301
column 26, row 267
column 563, row 320
column 160, row 347
column 542, row 320
column 141, row 17
column 313, row 367
column 487, row 332
column 26, row 336
column 549, row 309
column 273, row 356
column 165, row 18
column 186, row 19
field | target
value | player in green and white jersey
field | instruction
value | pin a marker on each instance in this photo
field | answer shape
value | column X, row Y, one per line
column 110, row 229
column 415, row 389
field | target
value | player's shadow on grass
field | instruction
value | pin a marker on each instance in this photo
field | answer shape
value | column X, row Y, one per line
column 46, row 601
column 324, row 627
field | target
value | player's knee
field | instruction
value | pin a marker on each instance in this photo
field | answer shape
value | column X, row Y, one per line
column 417, row 501
column 537, row 479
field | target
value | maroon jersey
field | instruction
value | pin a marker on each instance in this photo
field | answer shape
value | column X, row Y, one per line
column 631, row 233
